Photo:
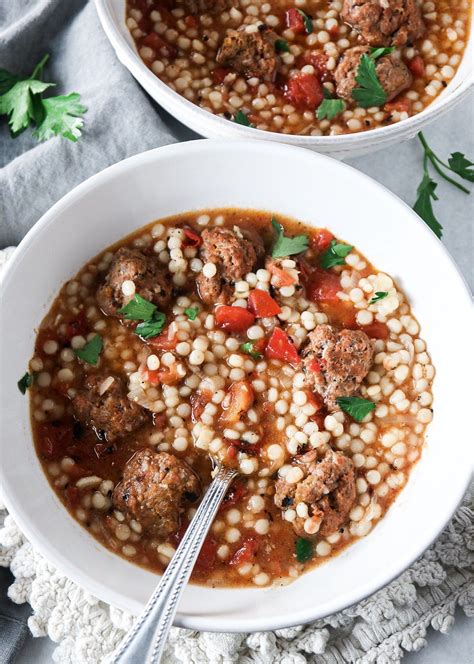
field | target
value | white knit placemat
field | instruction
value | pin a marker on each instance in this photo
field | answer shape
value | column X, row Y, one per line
column 375, row 631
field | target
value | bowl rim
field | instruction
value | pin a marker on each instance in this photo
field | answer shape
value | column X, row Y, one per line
column 199, row 622
column 184, row 108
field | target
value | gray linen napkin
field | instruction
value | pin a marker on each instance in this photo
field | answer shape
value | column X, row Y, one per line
column 121, row 119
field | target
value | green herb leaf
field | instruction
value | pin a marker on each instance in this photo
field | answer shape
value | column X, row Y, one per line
column 461, row 166
column 423, row 206
column 379, row 295
column 192, row 312
column 281, row 45
column 335, row 254
column 329, row 108
column 25, row 382
column 138, row 309
column 91, row 351
column 151, row 328
column 242, row 119
column 287, row 246
column 61, row 117
column 370, row 91
column 356, row 407
column 378, row 52
column 249, row 348
column 304, row 550
column 19, row 103
column 308, row 22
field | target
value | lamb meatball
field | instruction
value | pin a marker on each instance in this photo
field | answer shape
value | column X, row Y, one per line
column 104, row 406
column 388, row 23
column 233, row 254
column 155, row 490
column 150, row 281
column 326, row 485
column 336, row 362
column 393, row 74
column 250, row 53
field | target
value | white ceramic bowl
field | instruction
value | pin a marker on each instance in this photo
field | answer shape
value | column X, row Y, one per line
column 112, row 17
column 316, row 190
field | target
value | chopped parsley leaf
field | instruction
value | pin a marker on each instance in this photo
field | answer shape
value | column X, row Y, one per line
column 379, row 295
column 356, row 407
column 304, row 550
column 335, row 254
column 25, row 382
column 191, row 312
column 287, row 246
column 91, row 351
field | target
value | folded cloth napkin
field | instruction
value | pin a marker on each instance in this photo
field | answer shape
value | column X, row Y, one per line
column 13, row 627
column 121, row 119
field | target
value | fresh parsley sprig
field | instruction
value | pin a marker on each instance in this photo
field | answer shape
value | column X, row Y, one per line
column 356, row 407
column 249, row 348
column 25, row 382
column 140, row 309
column 191, row 312
column 330, row 106
column 379, row 295
column 241, row 118
column 457, row 163
column 287, row 246
column 370, row 91
column 282, row 46
column 304, row 550
column 335, row 254
column 91, row 351
column 22, row 103
column 307, row 21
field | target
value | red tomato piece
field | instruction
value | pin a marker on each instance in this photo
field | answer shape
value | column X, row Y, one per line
column 191, row 21
column 192, row 238
column 376, row 330
column 152, row 377
column 218, row 75
column 76, row 326
column 246, row 552
column 237, row 491
column 163, row 341
column 323, row 287
column 319, row 61
column 314, row 366
column 207, row 555
column 304, row 91
column 262, row 304
column 160, row 45
column 402, row 104
column 417, row 66
column 281, row 347
column 294, row 21
column 281, row 277
column 321, row 239
column 234, row 319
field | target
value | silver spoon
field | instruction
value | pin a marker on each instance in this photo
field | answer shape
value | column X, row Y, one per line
column 147, row 639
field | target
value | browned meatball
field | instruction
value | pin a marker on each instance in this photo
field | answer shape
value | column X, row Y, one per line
column 233, row 254
column 104, row 406
column 391, row 22
column 327, row 488
column 150, row 281
column 393, row 74
column 335, row 363
column 205, row 6
column 250, row 53
column 155, row 489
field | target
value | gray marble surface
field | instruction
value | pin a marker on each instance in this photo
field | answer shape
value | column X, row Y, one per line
column 400, row 170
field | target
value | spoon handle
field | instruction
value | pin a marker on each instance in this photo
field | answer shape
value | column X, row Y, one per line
column 146, row 640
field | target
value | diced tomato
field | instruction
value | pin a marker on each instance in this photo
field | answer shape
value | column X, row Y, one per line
column 207, row 556
column 323, row 286
column 192, row 239
column 376, row 330
column 314, row 399
column 218, row 75
column 163, row 341
column 191, row 21
column 294, row 21
column 237, row 491
column 417, row 66
column 238, row 400
column 281, row 347
column 401, row 104
column 304, row 91
column 234, row 319
column 246, row 552
column 152, row 377
column 162, row 376
column 160, row 46
column 314, row 366
column 54, row 437
column 281, row 277
column 262, row 304
column 319, row 61
column 320, row 240
column 232, row 452
column 76, row 326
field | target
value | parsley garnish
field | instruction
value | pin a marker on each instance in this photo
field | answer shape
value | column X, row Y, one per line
column 457, row 163
column 304, row 550
column 25, row 382
column 249, row 348
column 191, row 312
column 335, row 254
column 379, row 295
column 281, row 45
column 242, row 119
column 356, row 407
column 330, row 106
column 307, row 20
column 22, row 102
column 370, row 91
column 138, row 309
column 287, row 246
column 91, row 351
